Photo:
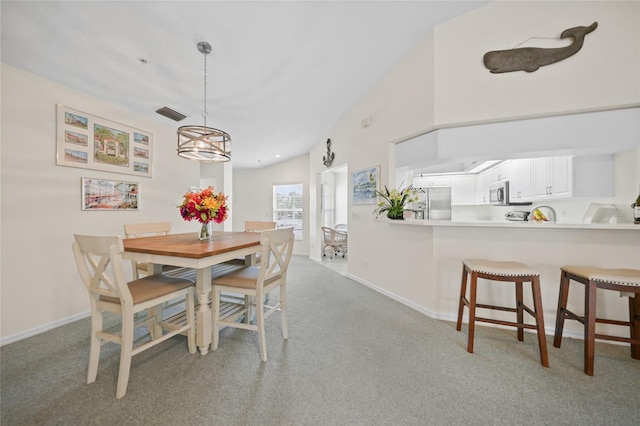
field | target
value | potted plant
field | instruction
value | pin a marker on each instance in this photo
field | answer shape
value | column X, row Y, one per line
column 394, row 202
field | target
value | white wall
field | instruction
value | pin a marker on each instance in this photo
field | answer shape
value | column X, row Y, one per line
column 439, row 82
column 253, row 189
column 220, row 177
column 342, row 198
column 442, row 82
column 602, row 74
column 41, row 201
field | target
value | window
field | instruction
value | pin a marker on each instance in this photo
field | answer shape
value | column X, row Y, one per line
column 287, row 207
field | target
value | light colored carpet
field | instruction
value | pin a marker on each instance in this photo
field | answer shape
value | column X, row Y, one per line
column 354, row 357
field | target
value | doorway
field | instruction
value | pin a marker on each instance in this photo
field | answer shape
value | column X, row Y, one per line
column 334, row 197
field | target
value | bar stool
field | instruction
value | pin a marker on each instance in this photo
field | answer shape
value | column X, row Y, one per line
column 515, row 272
column 626, row 281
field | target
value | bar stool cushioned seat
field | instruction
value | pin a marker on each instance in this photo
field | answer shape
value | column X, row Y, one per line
column 626, row 281
column 515, row 272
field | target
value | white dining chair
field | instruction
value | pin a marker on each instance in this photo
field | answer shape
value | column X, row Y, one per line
column 254, row 282
column 99, row 262
column 137, row 230
column 257, row 226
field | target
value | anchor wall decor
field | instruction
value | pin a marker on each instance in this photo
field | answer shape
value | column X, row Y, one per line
column 328, row 159
column 529, row 59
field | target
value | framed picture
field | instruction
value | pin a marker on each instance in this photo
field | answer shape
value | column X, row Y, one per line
column 365, row 182
column 90, row 142
column 102, row 194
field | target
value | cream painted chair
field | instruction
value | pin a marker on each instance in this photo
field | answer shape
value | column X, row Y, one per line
column 99, row 261
column 152, row 229
column 254, row 282
column 137, row 230
column 256, row 226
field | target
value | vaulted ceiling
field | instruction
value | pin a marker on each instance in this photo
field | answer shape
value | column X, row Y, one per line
column 280, row 75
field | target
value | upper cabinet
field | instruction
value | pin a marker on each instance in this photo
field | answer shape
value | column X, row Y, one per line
column 431, row 181
column 552, row 177
column 537, row 179
column 463, row 189
column 521, row 180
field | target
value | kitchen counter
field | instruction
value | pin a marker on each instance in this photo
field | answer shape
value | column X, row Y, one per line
column 427, row 257
column 513, row 224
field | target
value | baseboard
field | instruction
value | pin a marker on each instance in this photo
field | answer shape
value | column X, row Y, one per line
column 42, row 328
column 395, row 297
column 454, row 318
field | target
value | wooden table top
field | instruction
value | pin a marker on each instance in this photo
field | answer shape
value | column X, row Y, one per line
column 189, row 246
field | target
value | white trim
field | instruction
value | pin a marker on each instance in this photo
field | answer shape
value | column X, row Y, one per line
column 42, row 328
column 395, row 297
column 549, row 331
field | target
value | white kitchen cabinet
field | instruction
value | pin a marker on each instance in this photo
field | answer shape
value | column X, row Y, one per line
column 521, row 180
column 482, row 188
column 463, row 189
column 431, row 181
column 552, row 177
column 496, row 173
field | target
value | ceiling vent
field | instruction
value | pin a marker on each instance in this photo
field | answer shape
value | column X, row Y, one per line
column 171, row 113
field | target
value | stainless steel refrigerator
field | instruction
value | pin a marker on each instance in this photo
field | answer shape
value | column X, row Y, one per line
column 435, row 202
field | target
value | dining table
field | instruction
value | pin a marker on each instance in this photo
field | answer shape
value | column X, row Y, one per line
column 188, row 251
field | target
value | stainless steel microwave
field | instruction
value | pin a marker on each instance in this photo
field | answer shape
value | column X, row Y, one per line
column 499, row 193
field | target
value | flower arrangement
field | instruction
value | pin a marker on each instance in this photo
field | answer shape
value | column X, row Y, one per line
column 204, row 206
column 394, row 202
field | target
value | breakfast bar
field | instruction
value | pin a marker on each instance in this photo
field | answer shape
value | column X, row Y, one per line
column 434, row 249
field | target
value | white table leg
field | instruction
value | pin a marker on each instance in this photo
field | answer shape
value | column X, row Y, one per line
column 203, row 317
column 156, row 333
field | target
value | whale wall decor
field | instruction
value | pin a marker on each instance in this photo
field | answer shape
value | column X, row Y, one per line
column 529, row 59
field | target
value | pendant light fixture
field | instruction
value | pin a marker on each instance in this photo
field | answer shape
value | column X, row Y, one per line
column 204, row 143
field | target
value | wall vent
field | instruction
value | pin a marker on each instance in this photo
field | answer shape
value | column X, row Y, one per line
column 171, row 113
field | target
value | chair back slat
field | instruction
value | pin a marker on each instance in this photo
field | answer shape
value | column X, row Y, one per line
column 255, row 226
column 136, row 230
column 99, row 261
column 277, row 247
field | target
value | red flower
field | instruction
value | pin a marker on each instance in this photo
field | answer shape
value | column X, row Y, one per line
column 204, row 206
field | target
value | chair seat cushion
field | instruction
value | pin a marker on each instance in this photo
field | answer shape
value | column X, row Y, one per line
column 151, row 287
column 629, row 277
column 242, row 278
column 503, row 268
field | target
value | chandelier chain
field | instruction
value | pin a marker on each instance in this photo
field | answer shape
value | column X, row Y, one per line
column 205, row 90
